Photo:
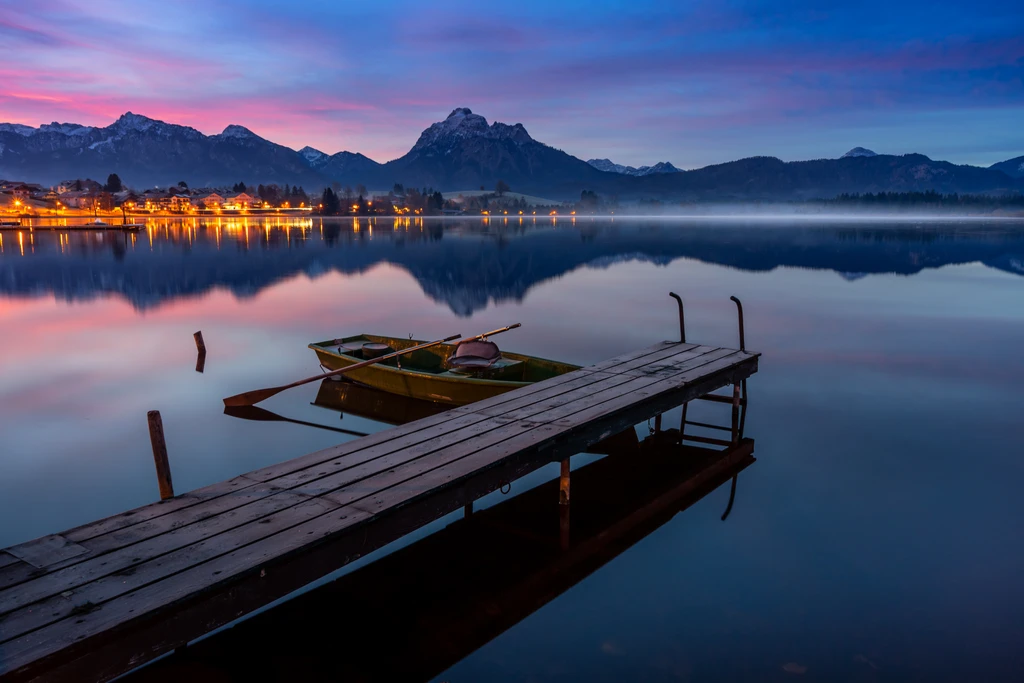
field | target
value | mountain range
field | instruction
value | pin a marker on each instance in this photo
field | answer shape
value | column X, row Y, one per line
column 463, row 152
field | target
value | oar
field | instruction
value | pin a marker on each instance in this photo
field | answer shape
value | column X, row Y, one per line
column 252, row 397
column 262, row 415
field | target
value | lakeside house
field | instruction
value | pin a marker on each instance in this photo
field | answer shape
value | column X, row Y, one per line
column 241, row 201
column 208, row 200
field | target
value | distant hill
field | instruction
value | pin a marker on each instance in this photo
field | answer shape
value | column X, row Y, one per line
column 1011, row 167
column 462, row 152
column 859, row 152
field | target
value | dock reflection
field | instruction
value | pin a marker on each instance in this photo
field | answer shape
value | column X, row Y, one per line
column 416, row 612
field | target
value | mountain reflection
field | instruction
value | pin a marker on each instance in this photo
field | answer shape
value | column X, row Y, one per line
column 467, row 263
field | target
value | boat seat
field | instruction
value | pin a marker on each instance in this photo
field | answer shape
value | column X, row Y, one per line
column 472, row 355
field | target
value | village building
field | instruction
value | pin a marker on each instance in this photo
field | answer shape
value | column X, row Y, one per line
column 241, row 201
column 208, row 200
column 180, row 203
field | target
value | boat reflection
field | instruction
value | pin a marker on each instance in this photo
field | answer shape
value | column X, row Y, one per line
column 416, row 612
column 373, row 404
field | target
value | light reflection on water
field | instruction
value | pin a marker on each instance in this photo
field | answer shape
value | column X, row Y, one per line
column 876, row 539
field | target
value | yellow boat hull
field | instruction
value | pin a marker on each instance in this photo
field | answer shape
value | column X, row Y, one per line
column 422, row 375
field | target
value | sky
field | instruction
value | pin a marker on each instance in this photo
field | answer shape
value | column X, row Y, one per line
column 694, row 83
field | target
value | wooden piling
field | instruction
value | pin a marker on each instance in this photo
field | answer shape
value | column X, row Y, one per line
column 563, row 484
column 201, row 348
column 200, row 344
column 163, row 468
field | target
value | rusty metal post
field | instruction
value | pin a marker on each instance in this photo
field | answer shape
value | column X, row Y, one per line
column 682, row 324
column 739, row 311
column 732, row 497
column 163, row 468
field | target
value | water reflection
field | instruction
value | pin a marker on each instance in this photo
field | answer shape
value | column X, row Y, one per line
column 413, row 614
column 465, row 263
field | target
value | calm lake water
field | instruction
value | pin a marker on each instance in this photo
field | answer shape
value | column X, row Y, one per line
column 878, row 537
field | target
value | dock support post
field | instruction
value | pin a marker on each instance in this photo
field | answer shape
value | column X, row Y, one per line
column 467, row 510
column 657, row 423
column 201, row 349
column 563, row 505
column 682, row 422
column 163, row 468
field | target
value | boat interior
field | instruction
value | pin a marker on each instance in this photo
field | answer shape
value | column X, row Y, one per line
column 473, row 358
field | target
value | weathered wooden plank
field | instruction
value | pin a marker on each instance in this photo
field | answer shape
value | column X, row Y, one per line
column 95, row 594
column 16, row 573
column 46, row 551
column 704, row 374
column 618, row 385
column 71, row 577
column 645, row 355
column 194, row 580
column 158, row 509
column 7, row 559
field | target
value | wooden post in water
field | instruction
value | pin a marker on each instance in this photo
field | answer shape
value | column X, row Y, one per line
column 201, row 348
column 163, row 468
column 563, row 505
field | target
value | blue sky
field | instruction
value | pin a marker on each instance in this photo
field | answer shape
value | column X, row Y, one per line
column 694, row 83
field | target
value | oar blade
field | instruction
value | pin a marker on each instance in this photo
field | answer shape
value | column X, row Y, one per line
column 250, row 398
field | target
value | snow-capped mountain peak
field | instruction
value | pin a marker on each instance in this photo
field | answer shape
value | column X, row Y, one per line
column 66, row 128
column 312, row 155
column 18, row 128
column 608, row 166
column 859, row 152
column 134, row 122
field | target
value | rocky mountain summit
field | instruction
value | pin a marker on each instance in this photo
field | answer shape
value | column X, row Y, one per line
column 609, row 166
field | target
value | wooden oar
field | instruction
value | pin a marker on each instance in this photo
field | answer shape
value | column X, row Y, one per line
column 262, row 415
column 253, row 397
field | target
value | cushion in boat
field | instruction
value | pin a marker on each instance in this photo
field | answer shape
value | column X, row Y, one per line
column 371, row 350
column 474, row 354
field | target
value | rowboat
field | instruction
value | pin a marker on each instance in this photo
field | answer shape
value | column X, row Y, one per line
column 435, row 374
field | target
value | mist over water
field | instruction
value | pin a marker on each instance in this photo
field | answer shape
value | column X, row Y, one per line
column 876, row 538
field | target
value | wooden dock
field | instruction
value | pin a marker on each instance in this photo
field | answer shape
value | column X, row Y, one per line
column 473, row 580
column 101, row 599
